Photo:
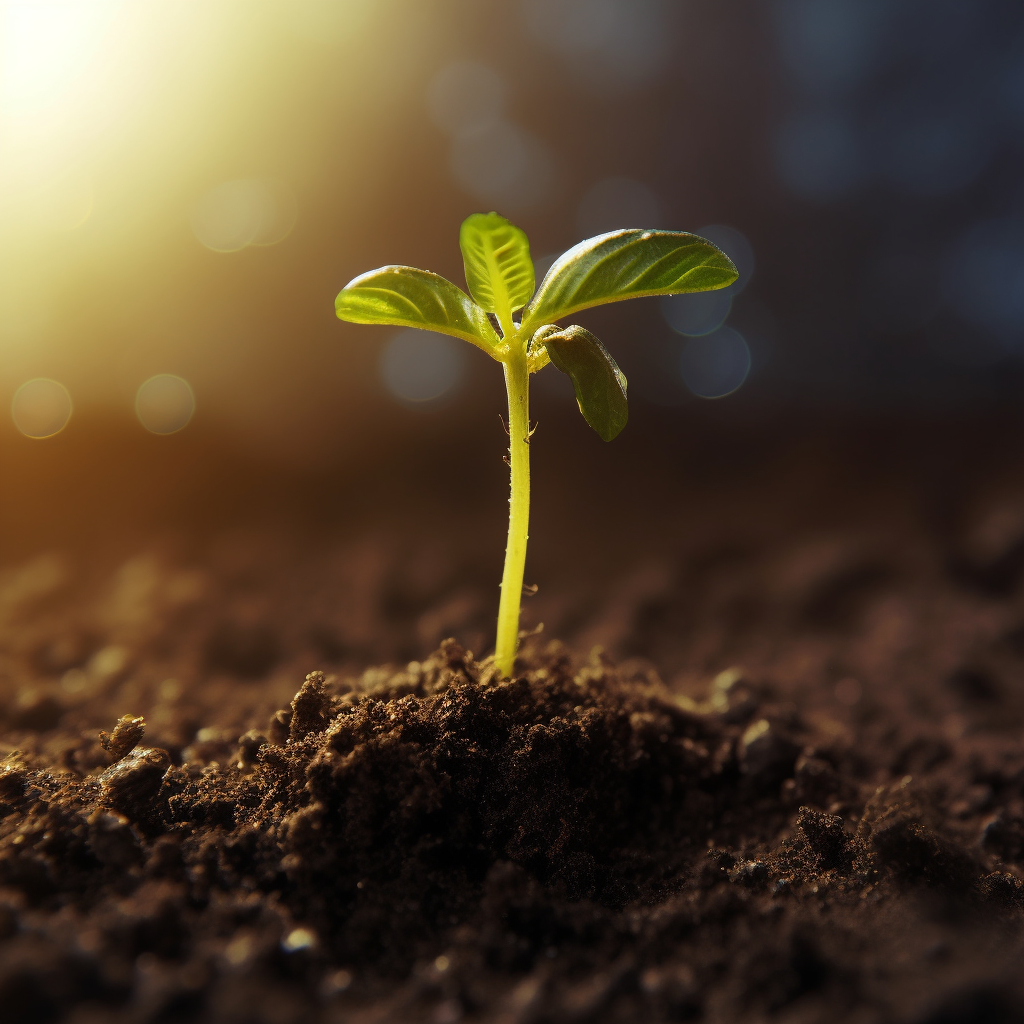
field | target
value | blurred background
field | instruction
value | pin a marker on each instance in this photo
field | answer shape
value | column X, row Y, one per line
column 185, row 186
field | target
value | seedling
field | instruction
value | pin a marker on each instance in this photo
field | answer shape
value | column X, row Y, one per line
column 515, row 323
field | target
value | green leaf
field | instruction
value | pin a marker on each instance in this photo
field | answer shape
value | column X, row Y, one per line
column 499, row 270
column 408, row 297
column 628, row 264
column 599, row 383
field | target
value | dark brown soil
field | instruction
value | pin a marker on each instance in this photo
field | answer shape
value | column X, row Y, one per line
column 789, row 788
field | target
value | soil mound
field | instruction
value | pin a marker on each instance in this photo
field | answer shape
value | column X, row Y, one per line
column 579, row 843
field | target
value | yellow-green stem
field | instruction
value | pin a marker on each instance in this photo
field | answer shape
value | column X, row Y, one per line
column 517, row 382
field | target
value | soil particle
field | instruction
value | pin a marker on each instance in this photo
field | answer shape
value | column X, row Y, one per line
column 310, row 709
column 826, row 838
column 125, row 736
column 132, row 782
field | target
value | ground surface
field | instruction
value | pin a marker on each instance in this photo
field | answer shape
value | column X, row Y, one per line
column 763, row 763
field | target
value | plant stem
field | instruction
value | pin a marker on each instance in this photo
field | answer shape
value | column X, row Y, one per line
column 517, row 383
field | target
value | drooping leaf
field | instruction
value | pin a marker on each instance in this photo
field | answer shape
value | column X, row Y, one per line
column 407, row 297
column 599, row 384
column 499, row 270
column 627, row 264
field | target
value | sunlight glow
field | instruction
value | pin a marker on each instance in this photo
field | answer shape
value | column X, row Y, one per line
column 143, row 142
column 69, row 72
column 48, row 48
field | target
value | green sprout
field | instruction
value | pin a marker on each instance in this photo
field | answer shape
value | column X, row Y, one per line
column 515, row 323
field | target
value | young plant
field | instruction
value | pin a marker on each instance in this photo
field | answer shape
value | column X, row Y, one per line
column 515, row 324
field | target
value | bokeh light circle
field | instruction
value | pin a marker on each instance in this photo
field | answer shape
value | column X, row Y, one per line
column 56, row 203
column 828, row 46
column 247, row 211
column 715, row 365
column 697, row 313
column 165, row 403
column 609, row 46
column 464, row 95
column 41, row 407
column 931, row 150
column 819, row 156
column 573, row 26
column 421, row 366
column 499, row 163
column 984, row 276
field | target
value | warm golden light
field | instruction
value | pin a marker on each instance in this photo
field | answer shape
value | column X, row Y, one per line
column 49, row 47
column 171, row 173
column 68, row 69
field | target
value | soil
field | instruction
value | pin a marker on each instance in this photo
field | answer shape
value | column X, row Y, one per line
column 772, row 772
